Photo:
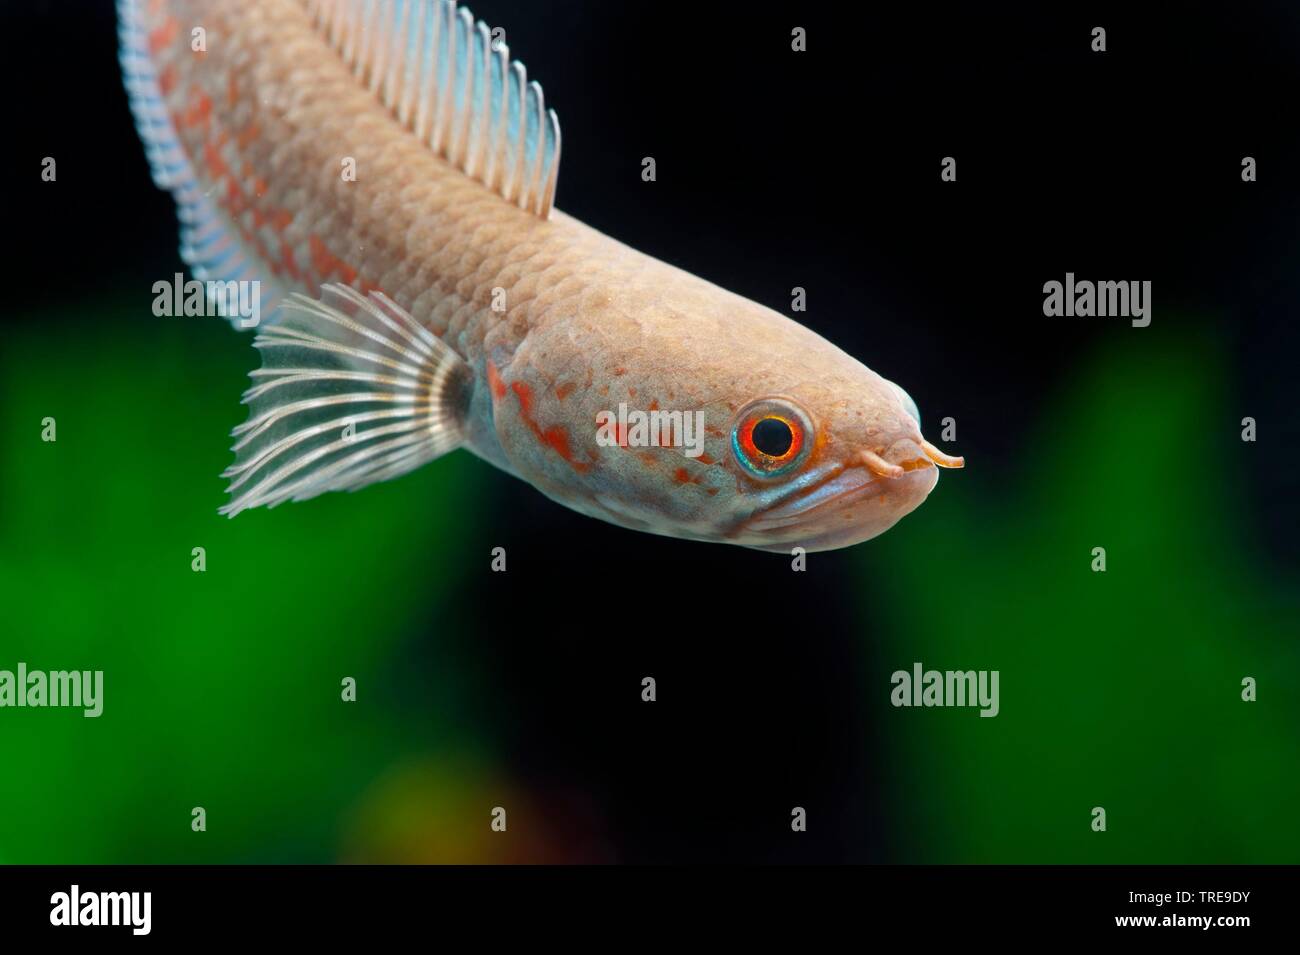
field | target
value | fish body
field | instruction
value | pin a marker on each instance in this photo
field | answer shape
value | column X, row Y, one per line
column 385, row 172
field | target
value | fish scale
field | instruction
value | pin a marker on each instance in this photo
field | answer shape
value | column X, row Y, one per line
column 383, row 349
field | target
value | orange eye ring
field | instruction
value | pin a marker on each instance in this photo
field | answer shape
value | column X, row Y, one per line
column 771, row 438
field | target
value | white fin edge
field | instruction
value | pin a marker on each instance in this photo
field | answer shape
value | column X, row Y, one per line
column 346, row 397
column 443, row 76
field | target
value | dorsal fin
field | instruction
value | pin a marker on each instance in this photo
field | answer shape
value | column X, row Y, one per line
column 445, row 78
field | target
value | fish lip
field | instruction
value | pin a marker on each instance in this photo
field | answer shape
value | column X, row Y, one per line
column 851, row 482
column 857, row 481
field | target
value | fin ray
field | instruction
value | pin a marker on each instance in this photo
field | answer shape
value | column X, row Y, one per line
column 350, row 393
column 441, row 74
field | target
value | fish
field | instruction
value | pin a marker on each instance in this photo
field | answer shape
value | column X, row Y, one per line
column 384, row 173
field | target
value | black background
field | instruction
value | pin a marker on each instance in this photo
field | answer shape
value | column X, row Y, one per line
column 778, row 169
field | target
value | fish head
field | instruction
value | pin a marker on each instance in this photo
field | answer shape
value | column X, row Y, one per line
column 822, row 476
column 803, row 445
column 822, row 451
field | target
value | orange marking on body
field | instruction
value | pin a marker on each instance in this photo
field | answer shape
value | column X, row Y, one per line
column 280, row 219
column 683, row 476
column 217, row 167
column 525, row 396
column 167, row 79
column 162, row 37
column 631, row 392
column 704, row 459
column 563, row 391
column 555, row 438
column 620, row 371
column 326, row 264
column 287, row 262
column 200, row 111
column 237, row 203
column 654, row 406
column 232, row 90
column 247, row 135
column 495, row 384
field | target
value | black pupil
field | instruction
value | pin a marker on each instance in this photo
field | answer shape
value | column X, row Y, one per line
column 773, row 437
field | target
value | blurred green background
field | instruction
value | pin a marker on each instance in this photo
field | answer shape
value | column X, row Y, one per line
column 222, row 689
column 1119, row 690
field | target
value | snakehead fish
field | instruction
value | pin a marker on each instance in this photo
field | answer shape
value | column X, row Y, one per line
column 384, row 171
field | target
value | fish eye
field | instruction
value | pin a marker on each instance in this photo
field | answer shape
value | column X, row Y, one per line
column 772, row 437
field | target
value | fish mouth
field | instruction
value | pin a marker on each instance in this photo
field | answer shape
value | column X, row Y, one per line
column 858, row 499
column 850, row 483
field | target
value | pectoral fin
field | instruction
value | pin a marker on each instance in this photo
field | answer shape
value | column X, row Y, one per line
column 349, row 393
